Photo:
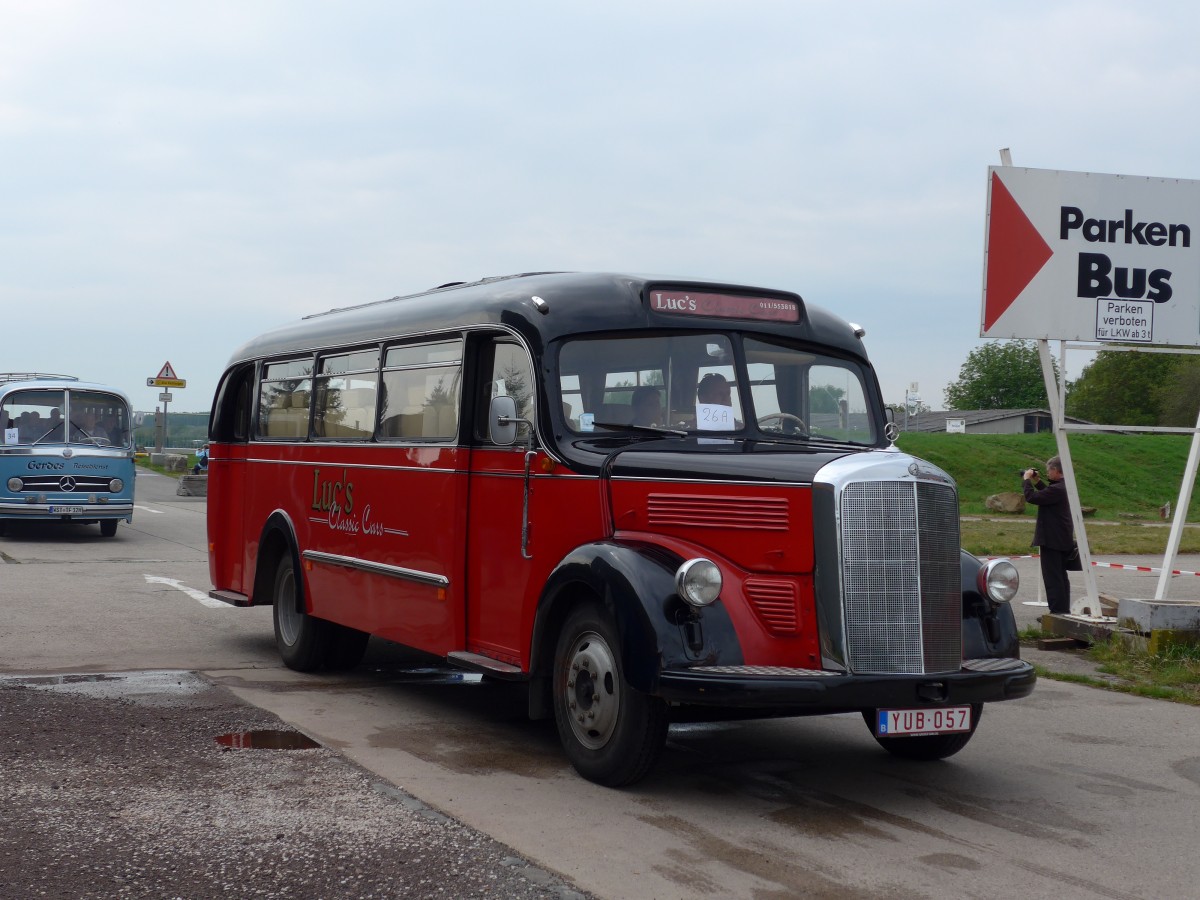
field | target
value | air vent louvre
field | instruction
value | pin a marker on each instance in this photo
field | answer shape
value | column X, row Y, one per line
column 698, row 511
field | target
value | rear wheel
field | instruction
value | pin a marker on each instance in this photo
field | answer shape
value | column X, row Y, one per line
column 612, row 734
column 303, row 640
column 926, row 747
column 108, row 527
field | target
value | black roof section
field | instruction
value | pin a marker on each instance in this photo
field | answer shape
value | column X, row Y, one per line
column 568, row 303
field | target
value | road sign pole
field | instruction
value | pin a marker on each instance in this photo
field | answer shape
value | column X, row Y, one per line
column 1055, row 394
column 1181, row 509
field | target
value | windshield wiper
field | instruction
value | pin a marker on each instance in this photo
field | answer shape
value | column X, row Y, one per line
column 651, row 429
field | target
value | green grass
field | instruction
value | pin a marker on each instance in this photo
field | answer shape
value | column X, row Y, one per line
column 1123, row 476
column 1171, row 675
column 144, row 462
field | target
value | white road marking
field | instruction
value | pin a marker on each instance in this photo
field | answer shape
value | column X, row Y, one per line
column 199, row 596
column 157, row 512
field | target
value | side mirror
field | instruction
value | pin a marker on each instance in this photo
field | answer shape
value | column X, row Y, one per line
column 502, row 421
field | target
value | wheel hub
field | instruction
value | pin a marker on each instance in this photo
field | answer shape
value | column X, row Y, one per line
column 593, row 697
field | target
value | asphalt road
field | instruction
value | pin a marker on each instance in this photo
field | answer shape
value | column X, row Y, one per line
column 1072, row 792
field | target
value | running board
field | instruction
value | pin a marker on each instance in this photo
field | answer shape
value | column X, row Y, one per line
column 485, row 664
column 231, row 597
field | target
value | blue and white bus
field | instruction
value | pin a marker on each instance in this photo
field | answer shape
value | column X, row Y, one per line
column 66, row 452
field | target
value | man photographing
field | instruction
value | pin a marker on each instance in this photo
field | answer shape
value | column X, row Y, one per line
column 1054, row 533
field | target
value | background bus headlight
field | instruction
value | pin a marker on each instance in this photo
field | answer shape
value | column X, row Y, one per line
column 15, row 484
column 115, row 485
column 698, row 581
column 998, row 581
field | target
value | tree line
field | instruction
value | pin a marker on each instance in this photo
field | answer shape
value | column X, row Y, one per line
column 1116, row 388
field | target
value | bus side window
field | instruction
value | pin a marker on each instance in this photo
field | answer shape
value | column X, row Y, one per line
column 508, row 373
column 231, row 410
column 420, row 396
column 283, row 399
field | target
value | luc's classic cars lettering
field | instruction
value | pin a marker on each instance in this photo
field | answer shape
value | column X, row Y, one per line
column 335, row 498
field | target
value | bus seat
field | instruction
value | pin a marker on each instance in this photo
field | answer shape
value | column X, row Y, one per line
column 439, row 420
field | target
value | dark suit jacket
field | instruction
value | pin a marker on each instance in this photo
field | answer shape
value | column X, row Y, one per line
column 1054, row 528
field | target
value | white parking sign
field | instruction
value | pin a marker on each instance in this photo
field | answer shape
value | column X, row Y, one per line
column 1079, row 256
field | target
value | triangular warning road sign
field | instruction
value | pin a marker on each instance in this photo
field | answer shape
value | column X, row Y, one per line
column 167, row 371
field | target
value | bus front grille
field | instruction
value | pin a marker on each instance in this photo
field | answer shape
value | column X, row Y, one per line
column 900, row 577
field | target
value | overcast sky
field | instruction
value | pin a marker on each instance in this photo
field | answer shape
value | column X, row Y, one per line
column 176, row 178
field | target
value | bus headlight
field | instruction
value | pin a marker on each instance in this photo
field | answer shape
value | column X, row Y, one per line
column 15, row 484
column 698, row 581
column 998, row 581
column 115, row 485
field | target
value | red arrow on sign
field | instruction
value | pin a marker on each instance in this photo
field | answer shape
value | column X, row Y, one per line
column 1016, row 252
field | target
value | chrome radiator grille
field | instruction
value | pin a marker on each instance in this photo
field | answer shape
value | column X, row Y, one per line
column 900, row 577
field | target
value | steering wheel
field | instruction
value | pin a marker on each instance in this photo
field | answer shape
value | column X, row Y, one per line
column 780, row 419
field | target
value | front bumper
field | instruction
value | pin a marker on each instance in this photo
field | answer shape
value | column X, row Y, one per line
column 813, row 691
column 46, row 512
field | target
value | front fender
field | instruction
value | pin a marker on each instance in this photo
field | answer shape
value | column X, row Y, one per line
column 634, row 583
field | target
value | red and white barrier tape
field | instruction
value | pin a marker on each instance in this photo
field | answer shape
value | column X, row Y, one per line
column 1104, row 565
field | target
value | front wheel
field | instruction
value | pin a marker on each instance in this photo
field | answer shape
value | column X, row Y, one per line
column 612, row 733
column 108, row 527
column 303, row 640
column 927, row 747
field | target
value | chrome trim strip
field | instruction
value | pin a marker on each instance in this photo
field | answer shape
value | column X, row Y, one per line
column 90, row 509
column 768, row 671
column 629, row 479
column 995, row 664
column 365, row 565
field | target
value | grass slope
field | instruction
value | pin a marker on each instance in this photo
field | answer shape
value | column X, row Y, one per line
column 1122, row 476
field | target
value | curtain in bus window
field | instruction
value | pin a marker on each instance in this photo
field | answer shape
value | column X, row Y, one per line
column 33, row 417
column 421, row 385
column 345, row 395
column 283, row 399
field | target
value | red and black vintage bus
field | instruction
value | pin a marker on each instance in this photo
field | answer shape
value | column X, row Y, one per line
column 638, row 496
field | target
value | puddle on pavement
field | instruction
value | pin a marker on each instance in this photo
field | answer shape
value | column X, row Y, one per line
column 429, row 675
column 267, row 739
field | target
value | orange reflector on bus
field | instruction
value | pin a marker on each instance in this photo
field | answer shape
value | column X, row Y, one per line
column 441, row 593
column 547, row 465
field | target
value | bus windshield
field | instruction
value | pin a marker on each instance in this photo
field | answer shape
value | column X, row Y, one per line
column 700, row 382
column 39, row 416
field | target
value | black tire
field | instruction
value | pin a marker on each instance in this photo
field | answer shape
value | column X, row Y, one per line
column 303, row 640
column 612, row 734
column 108, row 527
column 928, row 747
column 346, row 647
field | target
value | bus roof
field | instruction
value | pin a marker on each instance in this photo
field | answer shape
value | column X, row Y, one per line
column 541, row 306
column 56, row 382
column 6, row 377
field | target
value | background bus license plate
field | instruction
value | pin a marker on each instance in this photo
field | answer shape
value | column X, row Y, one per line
column 68, row 510
column 946, row 720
